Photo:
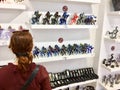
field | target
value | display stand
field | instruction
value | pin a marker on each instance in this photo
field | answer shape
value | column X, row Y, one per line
column 108, row 45
column 45, row 35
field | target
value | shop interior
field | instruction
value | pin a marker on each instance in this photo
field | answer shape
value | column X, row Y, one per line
column 78, row 41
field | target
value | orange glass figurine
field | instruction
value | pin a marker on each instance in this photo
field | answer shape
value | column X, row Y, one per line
column 74, row 19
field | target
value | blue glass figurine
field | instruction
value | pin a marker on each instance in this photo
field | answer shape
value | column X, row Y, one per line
column 36, row 52
column 36, row 17
column 57, row 50
column 49, row 53
column 43, row 51
column 64, row 17
column 90, row 20
column 70, row 49
column 89, row 48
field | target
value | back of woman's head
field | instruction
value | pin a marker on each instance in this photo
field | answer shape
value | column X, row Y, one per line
column 21, row 44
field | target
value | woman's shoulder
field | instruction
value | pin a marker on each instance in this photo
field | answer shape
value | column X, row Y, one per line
column 41, row 67
column 8, row 68
column 42, row 70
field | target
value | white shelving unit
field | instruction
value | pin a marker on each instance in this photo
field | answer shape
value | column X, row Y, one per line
column 63, row 26
column 107, row 87
column 80, row 1
column 87, row 1
column 86, row 33
column 110, row 20
column 76, row 84
column 69, row 33
column 6, row 6
column 113, row 40
column 115, row 69
column 114, row 13
column 52, row 59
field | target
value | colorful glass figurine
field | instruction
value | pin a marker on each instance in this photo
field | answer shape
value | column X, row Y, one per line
column 70, row 49
column 89, row 48
column 81, row 18
column 83, row 48
column 63, row 50
column 57, row 49
column 55, row 18
column 74, row 19
column 10, row 30
column 90, row 20
column 49, row 53
column 43, row 51
column 76, row 49
column 51, row 50
column 46, row 20
column 36, row 52
column 64, row 17
column 35, row 18
column 20, row 28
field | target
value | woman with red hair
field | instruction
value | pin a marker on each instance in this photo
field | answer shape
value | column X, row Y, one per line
column 14, row 75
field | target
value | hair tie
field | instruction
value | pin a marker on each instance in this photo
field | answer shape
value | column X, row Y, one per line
column 21, row 54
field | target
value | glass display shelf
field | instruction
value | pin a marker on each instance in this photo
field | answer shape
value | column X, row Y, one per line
column 75, row 84
column 86, row 1
column 59, row 58
column 4, row 42
column 51, row 59
column 62, row 26
column 113, row 40
column 107, row 87
column 111, row 69
column 114, row 13
column 81, row 1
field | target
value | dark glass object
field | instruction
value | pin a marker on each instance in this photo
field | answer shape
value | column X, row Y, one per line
column 116, row 5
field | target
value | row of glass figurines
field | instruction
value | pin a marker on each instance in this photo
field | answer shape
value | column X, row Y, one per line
column 56, row 50
column 11, row 1
column 111, row 62
column 5, row 34
column 62, row 19
column 111, row 80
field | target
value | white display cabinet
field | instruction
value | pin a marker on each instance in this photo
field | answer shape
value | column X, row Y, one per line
column 110, row 20
column 45, row 35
